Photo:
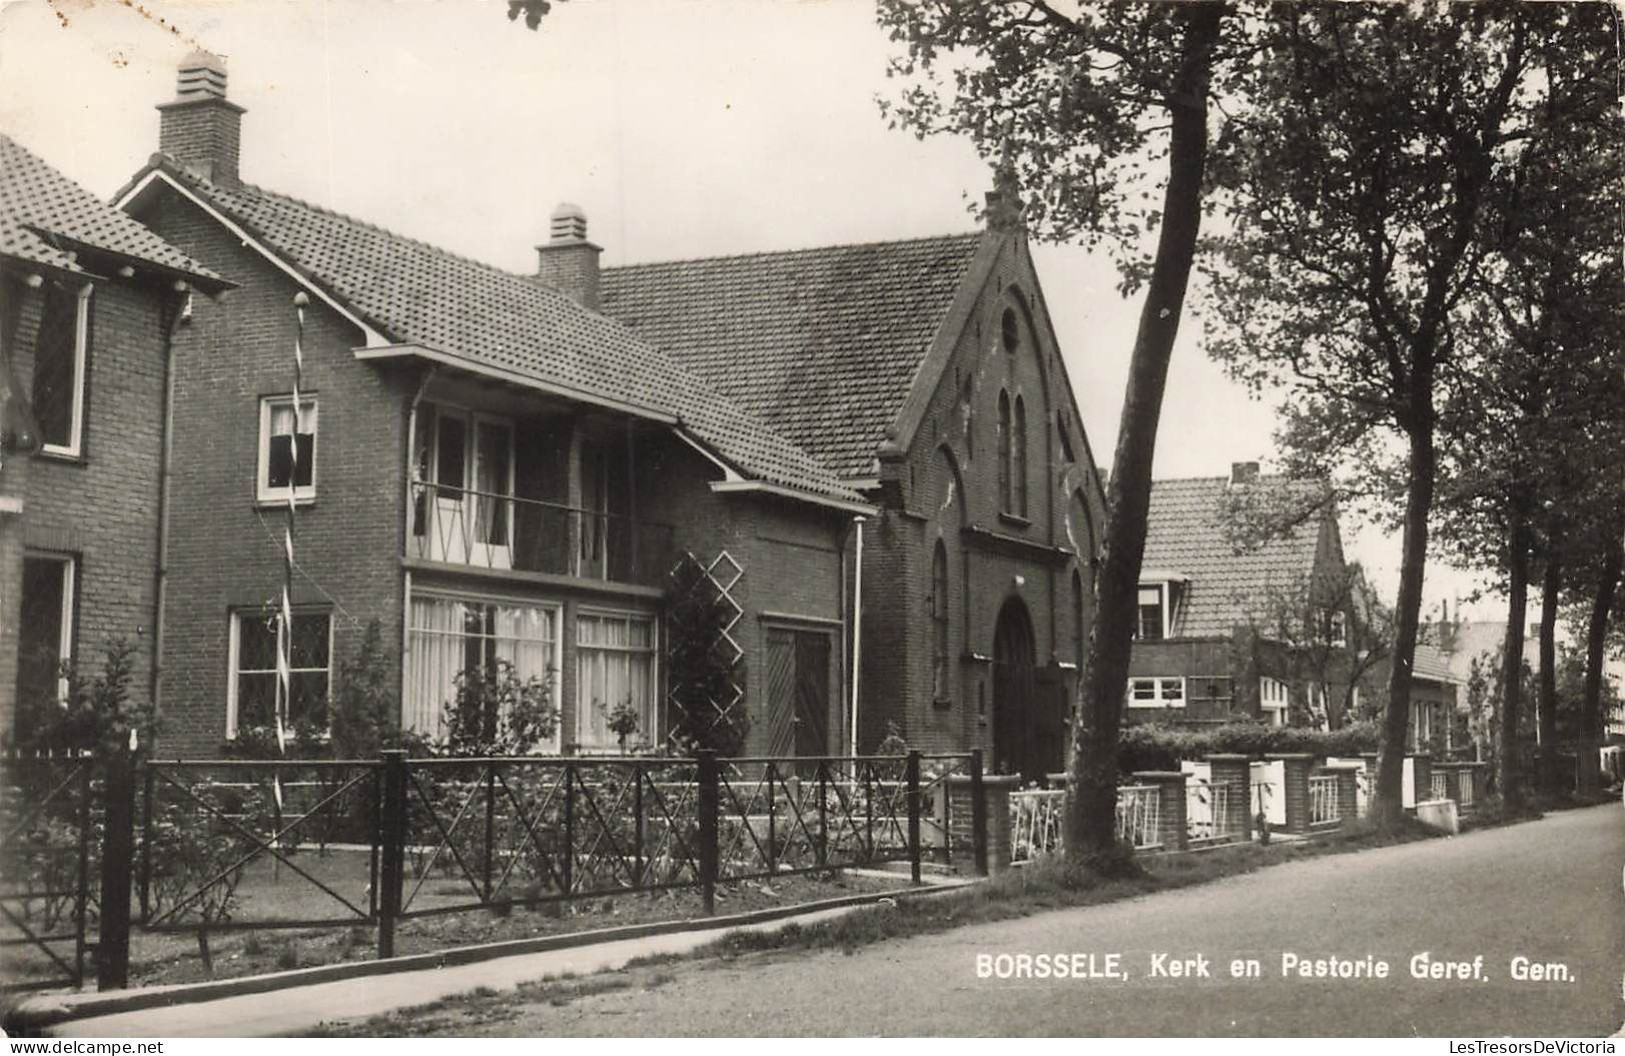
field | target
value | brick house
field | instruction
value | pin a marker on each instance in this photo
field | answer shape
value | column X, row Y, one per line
column 487, row 466
column 925, row 375
column 90, row 302
column 1233, row 565
column 506, row 467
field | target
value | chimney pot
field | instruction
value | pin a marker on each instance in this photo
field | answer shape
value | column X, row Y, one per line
column 1243, row 473
column 200, row 127
column 568, row 262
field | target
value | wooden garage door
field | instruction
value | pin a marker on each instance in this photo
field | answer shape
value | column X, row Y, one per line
column 798, row 691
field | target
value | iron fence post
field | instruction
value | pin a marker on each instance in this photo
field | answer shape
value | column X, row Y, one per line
column 637, row 826
column 149, row 779
column 490, row 824
column 914, row 815
column 81, row 911
column 823, row 812
column 568, row 870
column 392, row 833
column 978, row 813
column 869, row 809
column 118, row 850
column 772, row 823
column 708, row 804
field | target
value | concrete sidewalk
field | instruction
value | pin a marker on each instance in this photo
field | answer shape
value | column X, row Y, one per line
column 291, row 1011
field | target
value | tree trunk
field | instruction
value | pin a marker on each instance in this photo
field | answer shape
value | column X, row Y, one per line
column 1389, row 801
column 1551, row 585
column 1613, row 564
column 1508, row 774
column 1091, row 824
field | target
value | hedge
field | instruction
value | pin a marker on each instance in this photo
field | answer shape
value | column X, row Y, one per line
column 1154, row 746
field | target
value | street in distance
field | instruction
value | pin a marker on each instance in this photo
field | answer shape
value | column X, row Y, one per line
column 1110, row 966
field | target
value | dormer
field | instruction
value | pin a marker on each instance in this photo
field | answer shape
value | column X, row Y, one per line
column 1160, row 596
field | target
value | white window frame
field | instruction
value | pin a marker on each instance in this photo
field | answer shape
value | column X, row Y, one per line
column 1165, row 602
column 1159, row 684
column 645, row 738
column 263, row 491
column 81, row 347
column 1274, row 697
column 233, row 653
column 64, row 643
column 555, row 660
column 1336, row 628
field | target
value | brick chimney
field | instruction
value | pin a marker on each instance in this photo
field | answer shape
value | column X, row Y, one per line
column 568, row 262
column 1243, row 473
column 200, row 128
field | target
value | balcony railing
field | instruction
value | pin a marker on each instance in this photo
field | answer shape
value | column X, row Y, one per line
column 482, row 529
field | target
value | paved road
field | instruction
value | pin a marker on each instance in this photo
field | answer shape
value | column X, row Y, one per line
column 1549, row 891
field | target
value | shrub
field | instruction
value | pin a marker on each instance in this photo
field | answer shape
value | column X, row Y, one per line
column 495, row 712
column 1160, row 747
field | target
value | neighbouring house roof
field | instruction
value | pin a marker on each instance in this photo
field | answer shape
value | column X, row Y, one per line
column 1228, row 581
column 822, row 344
column 46, row 220
column 1470, row 639
column 417, row 294
column 1432, row 664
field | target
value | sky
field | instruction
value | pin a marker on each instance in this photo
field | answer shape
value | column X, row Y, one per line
column 684, row 128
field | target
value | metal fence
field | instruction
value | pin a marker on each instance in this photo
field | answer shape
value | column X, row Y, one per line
column 210, row 846
column 1323, row 800
column 1207, row 811
column 47, row 833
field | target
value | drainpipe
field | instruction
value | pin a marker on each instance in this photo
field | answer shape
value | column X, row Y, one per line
column 170, row 313
column 857, row 626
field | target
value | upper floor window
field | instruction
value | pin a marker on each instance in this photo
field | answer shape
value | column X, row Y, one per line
column 1010, row 330
column 1079, row 616
column 1272, row 699
column 939, row 623
column 1018, row 469
column 61, row 352
column 1006, row 497
column 1152, row 622
column 1336, row 628
column 287, row 461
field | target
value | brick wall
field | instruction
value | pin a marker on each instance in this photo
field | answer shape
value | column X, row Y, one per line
column 205, row 135
column 102, row 507
column 224, row 550
column 949, row 479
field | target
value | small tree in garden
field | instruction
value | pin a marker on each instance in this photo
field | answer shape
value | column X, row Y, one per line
column 365, row 703
column 705, row 672
column 495, row 712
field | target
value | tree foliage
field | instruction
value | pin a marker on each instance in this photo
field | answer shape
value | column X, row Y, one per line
column 1371, row 176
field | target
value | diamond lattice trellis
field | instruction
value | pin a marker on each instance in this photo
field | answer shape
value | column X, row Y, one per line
column 714, row 585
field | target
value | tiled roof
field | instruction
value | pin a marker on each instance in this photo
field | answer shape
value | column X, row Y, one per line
column 1431, row 664
column 1470, row 639
column 1228, row 582
column 415, row 293
column 822, row 344
column 38, row 204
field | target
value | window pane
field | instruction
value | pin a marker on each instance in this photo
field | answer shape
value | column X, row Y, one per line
column 39, row 637
column 279, row 462
column 310, row 640
column 54, row 362
column 256, row 699
column 308, row 702
column 452, row 446
column 1173, row 689
column 256, row 642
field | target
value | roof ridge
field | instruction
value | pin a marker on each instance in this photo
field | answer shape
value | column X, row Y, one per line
column 382, row 230
column 798, row 251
